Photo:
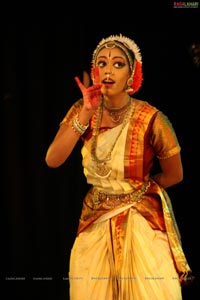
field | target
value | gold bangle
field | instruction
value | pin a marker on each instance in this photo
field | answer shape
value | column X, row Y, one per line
column 78, row 127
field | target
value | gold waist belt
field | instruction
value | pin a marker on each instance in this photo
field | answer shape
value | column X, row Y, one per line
column 113, row 200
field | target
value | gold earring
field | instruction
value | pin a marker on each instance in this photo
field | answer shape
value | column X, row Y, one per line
column 129, row 83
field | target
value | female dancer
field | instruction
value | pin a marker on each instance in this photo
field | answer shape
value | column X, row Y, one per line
column 128, row 245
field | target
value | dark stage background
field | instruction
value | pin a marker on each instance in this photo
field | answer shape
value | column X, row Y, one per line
column 41, row 206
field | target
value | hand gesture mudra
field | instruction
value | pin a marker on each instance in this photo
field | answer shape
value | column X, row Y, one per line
column 92, row 94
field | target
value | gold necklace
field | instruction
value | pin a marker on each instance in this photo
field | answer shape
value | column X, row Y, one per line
column 102, row 169
column 115, row 113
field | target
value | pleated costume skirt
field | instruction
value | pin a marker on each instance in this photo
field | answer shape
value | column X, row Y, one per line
column 122, row 258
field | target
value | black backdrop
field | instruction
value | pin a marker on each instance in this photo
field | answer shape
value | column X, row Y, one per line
column 41, row 206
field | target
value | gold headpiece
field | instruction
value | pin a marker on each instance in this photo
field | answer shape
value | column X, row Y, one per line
column 125, row 43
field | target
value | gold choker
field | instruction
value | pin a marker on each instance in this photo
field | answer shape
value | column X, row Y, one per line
column 116, row 113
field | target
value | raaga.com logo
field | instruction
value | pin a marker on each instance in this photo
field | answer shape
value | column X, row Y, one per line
column 186, row 4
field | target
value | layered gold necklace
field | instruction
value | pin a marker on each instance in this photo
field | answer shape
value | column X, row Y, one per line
column 102, row 169
column 116, row 113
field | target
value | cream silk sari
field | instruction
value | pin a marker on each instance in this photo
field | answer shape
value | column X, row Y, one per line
column 131, row 251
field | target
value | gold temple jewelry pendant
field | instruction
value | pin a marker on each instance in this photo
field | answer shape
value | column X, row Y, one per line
column 115, row 117
column 102, row 170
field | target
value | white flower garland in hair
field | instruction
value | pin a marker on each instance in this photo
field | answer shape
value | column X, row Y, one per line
column 130, row 44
